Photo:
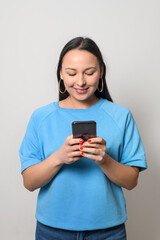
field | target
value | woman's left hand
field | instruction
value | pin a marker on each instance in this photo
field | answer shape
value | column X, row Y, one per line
column 96, row 146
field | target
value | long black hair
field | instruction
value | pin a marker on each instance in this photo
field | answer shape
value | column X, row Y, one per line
column 89, row 45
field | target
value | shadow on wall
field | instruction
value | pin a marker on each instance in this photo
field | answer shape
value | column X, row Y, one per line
column 143, row 206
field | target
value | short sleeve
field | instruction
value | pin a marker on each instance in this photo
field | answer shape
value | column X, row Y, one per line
column 133, row 153
column 29, row 151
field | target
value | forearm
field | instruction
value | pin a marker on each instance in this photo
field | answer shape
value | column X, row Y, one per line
column 42, row 173
column 122, row 175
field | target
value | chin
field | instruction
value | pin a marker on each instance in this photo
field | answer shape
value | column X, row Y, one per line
column 83, row 98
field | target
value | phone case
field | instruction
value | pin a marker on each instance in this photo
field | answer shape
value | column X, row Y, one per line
column 84, row 129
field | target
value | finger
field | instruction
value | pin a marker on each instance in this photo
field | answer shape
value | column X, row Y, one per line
column 74, row 147
column 95, row 151
column 73, row 159
column 91, row 156
column 72, row 141
column 96, row 140
column 77, row 158
column 75, row 154
column 93, row 145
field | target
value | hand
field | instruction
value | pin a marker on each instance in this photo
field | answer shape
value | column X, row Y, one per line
column 69, row 152
column 96, row 146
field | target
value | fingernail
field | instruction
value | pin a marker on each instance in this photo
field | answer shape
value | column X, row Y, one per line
column 82, row 153
column 81, row 148
column 81, row 144
column 81, row 140
column 89, row 140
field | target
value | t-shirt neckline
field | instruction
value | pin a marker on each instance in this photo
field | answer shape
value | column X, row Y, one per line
column 93, row 107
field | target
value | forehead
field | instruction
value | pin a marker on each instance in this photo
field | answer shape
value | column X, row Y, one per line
column 79, row 58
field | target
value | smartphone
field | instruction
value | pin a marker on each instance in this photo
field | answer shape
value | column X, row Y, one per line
column 84, row 129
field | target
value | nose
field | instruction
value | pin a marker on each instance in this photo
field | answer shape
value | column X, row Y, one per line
column 81, row 80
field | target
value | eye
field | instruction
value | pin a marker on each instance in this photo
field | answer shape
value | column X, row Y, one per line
column 71, row 74
column 89, row 74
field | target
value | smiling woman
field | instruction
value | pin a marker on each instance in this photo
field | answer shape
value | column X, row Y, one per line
column 81, row 181
column 80, row 73
column 80, row 58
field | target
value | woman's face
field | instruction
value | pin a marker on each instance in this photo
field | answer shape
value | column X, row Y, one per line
column 81, row 73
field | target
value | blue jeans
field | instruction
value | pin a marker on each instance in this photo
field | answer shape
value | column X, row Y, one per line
column 44, row 232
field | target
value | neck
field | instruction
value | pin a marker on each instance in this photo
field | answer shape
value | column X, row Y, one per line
column 82, row 104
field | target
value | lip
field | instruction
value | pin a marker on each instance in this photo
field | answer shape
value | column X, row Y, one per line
column 81, row 91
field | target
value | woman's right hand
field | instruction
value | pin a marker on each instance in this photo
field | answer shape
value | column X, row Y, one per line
column 69, row 152
column 38, row 175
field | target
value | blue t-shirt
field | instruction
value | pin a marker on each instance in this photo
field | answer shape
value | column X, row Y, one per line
column 81, row 197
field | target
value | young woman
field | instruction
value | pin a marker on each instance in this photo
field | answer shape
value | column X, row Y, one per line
column 81, row 182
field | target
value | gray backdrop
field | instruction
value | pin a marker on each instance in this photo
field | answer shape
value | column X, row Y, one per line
column 32, row 34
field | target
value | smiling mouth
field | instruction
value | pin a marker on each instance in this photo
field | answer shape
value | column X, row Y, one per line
column 81, row 89
column 84, row 90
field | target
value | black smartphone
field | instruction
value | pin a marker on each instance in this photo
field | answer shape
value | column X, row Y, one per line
column 84, row 129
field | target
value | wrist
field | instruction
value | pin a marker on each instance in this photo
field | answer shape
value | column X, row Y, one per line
column 104, row 161
column 57, row 160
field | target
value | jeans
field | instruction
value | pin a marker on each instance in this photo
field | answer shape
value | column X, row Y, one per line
column 44, row 232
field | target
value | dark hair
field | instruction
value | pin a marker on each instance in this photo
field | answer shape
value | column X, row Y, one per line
column 90, row 46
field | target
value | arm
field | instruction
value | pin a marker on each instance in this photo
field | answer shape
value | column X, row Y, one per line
column 40, row 174
column 122, row 175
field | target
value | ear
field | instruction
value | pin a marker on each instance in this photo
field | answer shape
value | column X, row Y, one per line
column 102, row 70
column 61, row 74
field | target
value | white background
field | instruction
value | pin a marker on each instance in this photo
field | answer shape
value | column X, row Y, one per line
column 32, row 35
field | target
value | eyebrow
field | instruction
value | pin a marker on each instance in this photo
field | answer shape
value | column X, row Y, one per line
column 75, row 69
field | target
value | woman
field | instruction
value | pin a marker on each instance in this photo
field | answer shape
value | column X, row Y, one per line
column 81, row 182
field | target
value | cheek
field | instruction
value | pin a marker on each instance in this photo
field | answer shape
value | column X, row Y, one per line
column 68, row 81
column 94, row 80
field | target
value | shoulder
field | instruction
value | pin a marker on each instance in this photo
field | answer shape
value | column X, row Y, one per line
column 114, row 109
column 41, row 113
column 117, row 112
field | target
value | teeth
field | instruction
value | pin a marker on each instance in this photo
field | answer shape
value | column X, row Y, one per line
column 82, row 89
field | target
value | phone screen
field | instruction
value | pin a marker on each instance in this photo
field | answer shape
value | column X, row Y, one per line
column 84, row 129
